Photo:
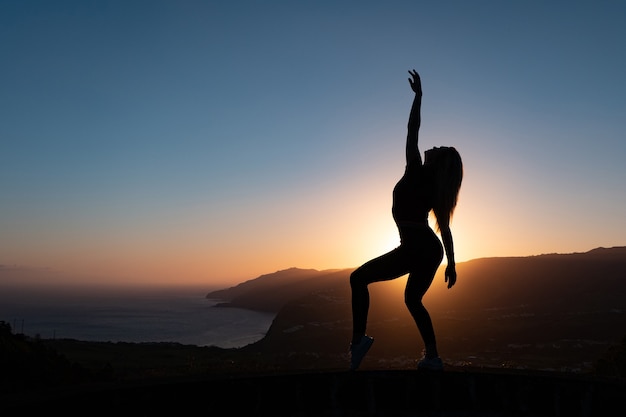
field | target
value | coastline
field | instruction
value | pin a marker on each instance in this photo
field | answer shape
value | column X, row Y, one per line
column 151, row 315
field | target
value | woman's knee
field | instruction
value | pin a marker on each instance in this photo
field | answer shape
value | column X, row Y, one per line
column 356, row 278
column 413, row 300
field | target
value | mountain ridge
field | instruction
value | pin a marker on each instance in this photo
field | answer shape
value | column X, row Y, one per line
column 547, row 312
column 269, row 292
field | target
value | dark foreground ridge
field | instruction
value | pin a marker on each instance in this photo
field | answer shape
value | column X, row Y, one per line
column 345, row 393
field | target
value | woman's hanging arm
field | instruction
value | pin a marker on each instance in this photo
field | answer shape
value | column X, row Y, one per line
column 448, row 244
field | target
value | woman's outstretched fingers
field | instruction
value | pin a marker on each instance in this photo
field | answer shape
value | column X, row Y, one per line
column 416, row 84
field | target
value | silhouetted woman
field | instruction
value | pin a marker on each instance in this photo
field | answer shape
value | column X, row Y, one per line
column 432, row 185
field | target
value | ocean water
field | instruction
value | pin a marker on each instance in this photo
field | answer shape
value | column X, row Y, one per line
column 181, row 315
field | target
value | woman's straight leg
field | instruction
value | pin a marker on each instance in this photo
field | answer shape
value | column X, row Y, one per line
column 420, row 278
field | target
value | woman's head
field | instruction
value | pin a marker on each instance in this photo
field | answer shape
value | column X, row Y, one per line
column 447, row 168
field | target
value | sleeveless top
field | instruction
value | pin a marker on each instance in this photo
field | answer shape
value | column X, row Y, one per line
column 413, row 197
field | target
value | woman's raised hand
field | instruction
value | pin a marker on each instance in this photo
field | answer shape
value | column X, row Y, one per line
column 416, row 83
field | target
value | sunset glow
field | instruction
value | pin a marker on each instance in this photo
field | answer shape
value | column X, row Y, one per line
column 147, row 142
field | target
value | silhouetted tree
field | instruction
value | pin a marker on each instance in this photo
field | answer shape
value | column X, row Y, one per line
column 27, row 363
column 5, row 328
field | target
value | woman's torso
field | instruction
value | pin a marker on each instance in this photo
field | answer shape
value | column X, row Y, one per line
column 413, row 197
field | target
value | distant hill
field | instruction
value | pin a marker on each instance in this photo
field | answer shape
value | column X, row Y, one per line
column 577, row 281
column 548, row 282
column 270, row 292
column 553, row 311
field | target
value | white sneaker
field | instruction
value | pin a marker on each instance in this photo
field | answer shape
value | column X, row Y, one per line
column 358, row 351
column 431, row 364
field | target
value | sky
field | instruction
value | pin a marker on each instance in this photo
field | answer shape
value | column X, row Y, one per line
column 216, row 141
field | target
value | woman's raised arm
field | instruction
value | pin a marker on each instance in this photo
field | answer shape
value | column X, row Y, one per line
column 415, row 119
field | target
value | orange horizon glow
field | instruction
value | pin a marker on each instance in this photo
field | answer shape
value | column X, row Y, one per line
column 346, row 236
column 335, row 227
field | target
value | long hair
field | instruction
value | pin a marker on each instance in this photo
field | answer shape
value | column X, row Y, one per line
column 448, row 178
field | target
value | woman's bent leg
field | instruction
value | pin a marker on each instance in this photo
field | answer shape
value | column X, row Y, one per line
column 386, row 267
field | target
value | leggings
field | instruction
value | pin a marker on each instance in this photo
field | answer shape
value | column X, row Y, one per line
column 420, row 253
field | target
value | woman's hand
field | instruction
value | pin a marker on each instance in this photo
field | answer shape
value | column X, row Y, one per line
column 416, row 83
column 451, row 275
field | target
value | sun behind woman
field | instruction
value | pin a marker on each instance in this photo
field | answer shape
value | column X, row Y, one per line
column 429, row 186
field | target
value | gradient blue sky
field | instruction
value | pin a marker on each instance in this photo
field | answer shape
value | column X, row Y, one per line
column 206, row 141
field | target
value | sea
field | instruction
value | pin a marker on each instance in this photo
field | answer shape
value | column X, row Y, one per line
column 174, row 314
